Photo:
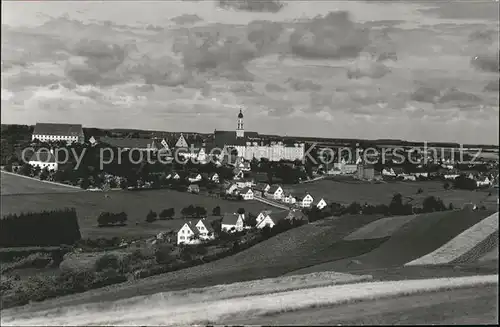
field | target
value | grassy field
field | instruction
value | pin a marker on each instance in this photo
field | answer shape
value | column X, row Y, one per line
column 473, row 306
column 15, row 184
column 380, row 228
column 422, row 235
column 136, row 204
column 348, row 191
column 468, row 245
column 214, row 311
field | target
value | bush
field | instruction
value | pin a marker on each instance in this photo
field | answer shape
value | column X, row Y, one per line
column 163, row 254
column 167, row 213
column 111, row 219
column 107, row 261
column 151, row 216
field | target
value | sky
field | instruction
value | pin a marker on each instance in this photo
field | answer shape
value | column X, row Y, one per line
column 424, row 71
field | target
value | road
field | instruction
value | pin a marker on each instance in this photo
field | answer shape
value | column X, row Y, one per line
column 271, row 203
column 472, row 306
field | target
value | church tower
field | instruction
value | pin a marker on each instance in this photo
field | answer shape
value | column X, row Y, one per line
column 240, row 131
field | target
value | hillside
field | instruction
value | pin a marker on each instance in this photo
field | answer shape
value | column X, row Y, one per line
column 422, row 235
column 295, row 249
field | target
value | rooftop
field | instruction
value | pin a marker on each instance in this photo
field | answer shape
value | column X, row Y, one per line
column 58, row 129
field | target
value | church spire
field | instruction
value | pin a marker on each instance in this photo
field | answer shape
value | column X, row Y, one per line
column 240, row 131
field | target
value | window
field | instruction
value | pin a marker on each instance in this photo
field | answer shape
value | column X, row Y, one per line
column 182, row 237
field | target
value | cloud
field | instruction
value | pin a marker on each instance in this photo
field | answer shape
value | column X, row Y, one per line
column 319, row 102
column 367, row 68
column 266, row 36
column 245, row 89
column 332, row 36
column 485, row 36
column 253, row 5
column 486, row 62
column 425, row 94
column 492, row 86
column 26, row 79
column 303, row 85
column 186, row 19
column 272, row 87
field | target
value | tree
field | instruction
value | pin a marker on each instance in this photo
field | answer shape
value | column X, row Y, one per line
column 200, row 212
column 431, row 204
column 163, row 254
column 420, row 191
column 151, row 216
column 121, row 218
column 216, row 211
column 8, row 168
column 396, row 205
column 217, row 225
column 104, row 219
column 167, row 213
column 44, row 174
column 446, row 186
column 26, row 169
column 464, row 183
column 188, row 211
column 241, row 211
column 251, row 220
column 450, row 206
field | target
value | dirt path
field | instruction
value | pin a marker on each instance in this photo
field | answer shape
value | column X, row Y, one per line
column 463, row 306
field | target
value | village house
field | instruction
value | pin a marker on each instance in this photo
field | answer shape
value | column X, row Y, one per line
column 52, row 132
column 231, row 188
column 321, row 204
column 247, row 193
column 289, row 198
column 275, row 192
column 194, row 177
column 205, row 229
column 188, row 234
column 173, row 175
column 451, row 176
column 44, row 159
column 388, row 172
column 408, row 177
column 238, row 174
column 262, row 187
column 193, row 188
column 483, row 181
column 295, row 214
column 233, row 222
column 304, row 200
column 130, row 143
column 214, row 177
column 181, row 142
column 269, row 218
column 246, row 182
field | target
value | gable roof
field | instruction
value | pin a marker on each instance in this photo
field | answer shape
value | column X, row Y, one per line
column 206, row 224
column 58, row 129
column 192, row 227
column 301, row 195
column 261, row 186
column 230, row 219
column 245, row 190
column 195, row 186
column 278, row 215
column 273, row 189
column 43, row 156
column 131, row 143
column 223, row 138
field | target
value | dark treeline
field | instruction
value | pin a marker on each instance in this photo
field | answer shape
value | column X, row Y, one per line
column 40, row 229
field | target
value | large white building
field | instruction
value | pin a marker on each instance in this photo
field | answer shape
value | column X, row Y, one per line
column 250, row 145
column 49, row 132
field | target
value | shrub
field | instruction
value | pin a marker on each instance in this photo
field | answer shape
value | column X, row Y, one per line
column 163, row 254
column 151, row 216
column 107, row 261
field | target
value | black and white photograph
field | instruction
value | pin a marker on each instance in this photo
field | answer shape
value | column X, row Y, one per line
column 249, row 162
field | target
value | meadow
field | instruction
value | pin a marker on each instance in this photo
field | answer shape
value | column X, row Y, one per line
column 347, row 191
column 16, row 184
column 136, row 204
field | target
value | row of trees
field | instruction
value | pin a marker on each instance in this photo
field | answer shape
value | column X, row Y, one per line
column 47, row 228
column 112, row 219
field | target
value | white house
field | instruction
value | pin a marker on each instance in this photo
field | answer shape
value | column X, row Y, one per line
column 244, row 183
column 483, row 181
column 263, row 214
column 247, row 193
column 188, row 234
column 451, row 176
column 205, row 229
column 233, row 222
column 304, row 200
column 262, row 187
column 408, row 177
column 44, row 159
column 173, row 176
column 231, row 188
column 275, row 192
column 289, row 198
column 422, row 174
column 193, row 178
column 50, row 132
column 321, row 204
column 270, row 218
column 214, row 177
column 388, row 172
column 181, row 142
column 238, row 174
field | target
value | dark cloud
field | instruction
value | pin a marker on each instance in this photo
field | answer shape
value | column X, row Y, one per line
column 486, row 62
column 272, row 87
column 303, row 85
column 425, row 94
column 25, row 79
column 455, row 95
column 253, row 5
column 368, row 69
column 492, row 86
column 265, row 35
column 486, row 36
column 319, row 102
column 333, row 36
column 186, row 19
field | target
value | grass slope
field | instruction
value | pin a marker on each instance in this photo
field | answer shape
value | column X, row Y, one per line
column 491, row 255
column 12, row 184
column 89, row 205
column 467, row 246
column 381, row 228
column 420, row 236
column 295, row 249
